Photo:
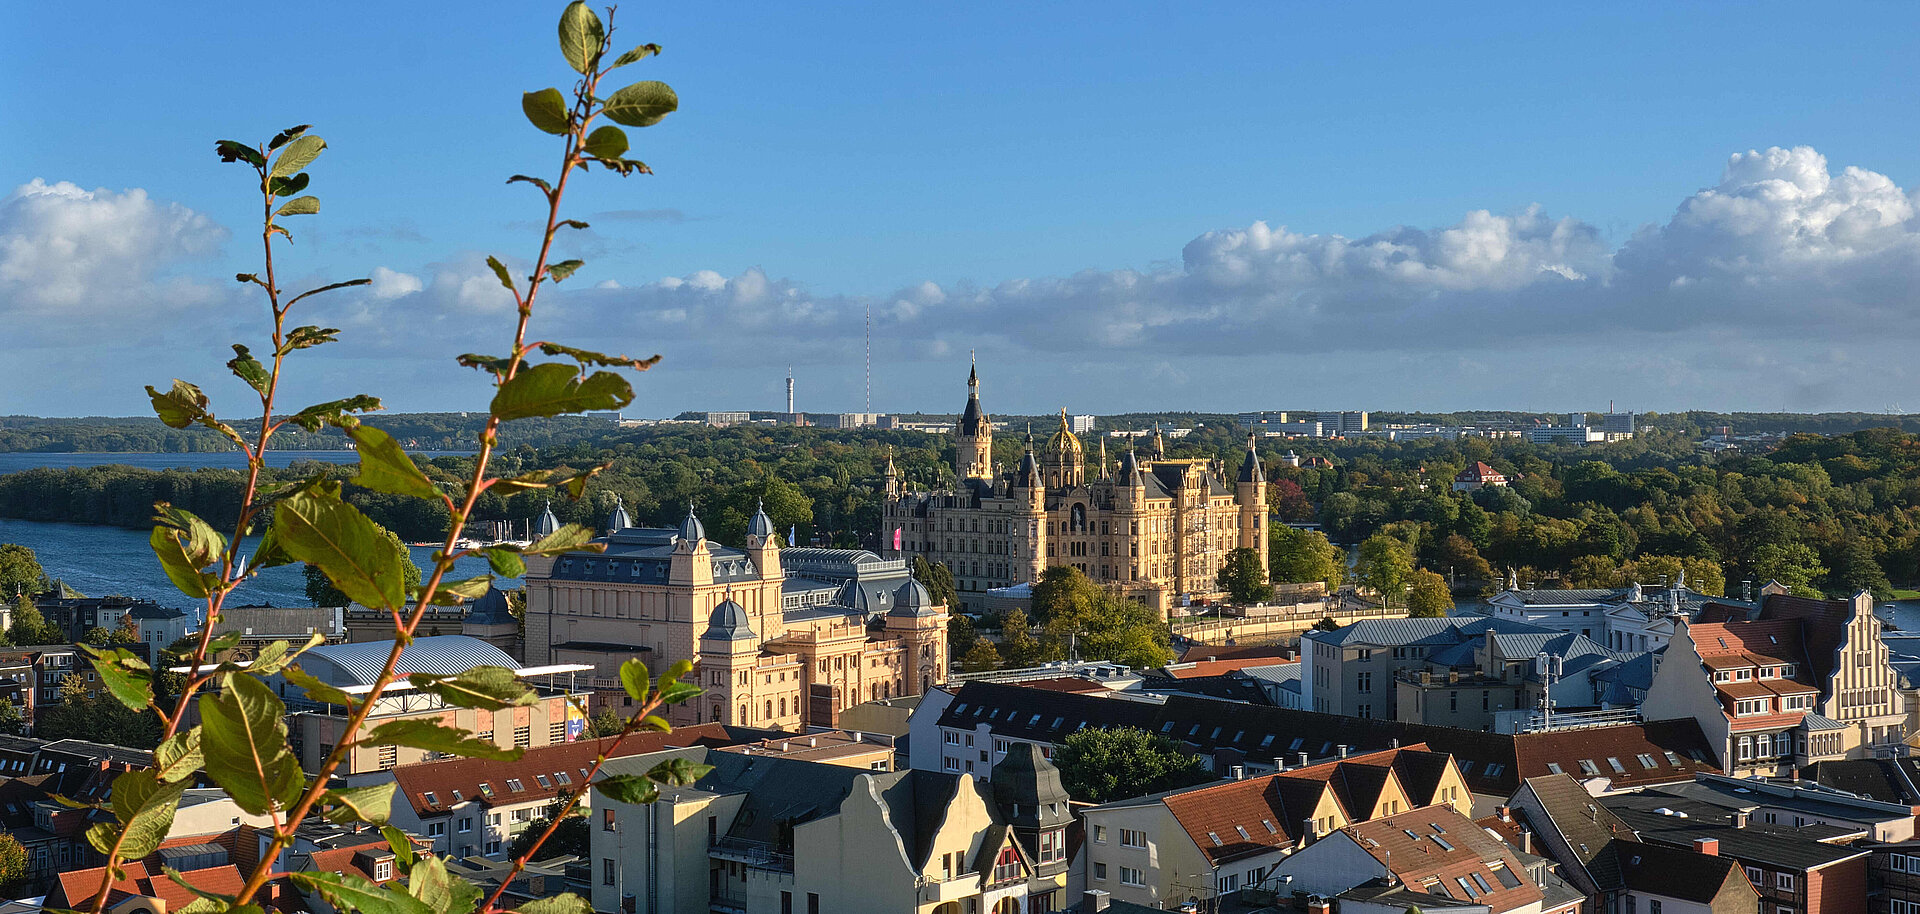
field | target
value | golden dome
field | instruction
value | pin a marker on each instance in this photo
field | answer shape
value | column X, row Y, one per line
column 1064, row 441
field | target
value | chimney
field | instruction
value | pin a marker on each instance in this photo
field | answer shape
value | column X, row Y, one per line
column 1303, row 760
column 1505, row 813
column 1319, row 905
column 813, row 741
column 1708, row 846
column 1238, row 772
column 1212, row 658
column 1308, row 832
column 1393, row 743
column 784, row 745
column 1092, row 901
column 1526, row 840
column 1343, row 750
column 1739, row 818
column 1279, row 763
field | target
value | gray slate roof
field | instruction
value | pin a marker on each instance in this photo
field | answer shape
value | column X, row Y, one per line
column 439, row 655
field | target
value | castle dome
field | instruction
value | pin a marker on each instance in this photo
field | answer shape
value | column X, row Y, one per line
column 728, row 622
column 761, row 524
column 912, row 600
column 547, row 522
column 1064, row 444
column 691, row 529
column 619, row 519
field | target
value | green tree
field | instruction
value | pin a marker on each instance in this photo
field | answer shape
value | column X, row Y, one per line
column 20, row 571
column 30, row 626
column 1795, row 565
column 605, row 723
column 1703, row 575
column 1428, row 595
column 937, row 578
column 13, row 864
column 1303, row 556
column 1460, row 560
column 12, row 721
column 961, row 634
column 1081, row 618
column 83, row 714
column 1242, row 577
column 1099, row 764
column 571, row 838
column 983, row 656
column 1593, row 571
column 1018, row 646
column 1384, row 566
column 1855, row 568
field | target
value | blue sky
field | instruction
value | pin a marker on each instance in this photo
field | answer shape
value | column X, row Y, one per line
column 1071, row 189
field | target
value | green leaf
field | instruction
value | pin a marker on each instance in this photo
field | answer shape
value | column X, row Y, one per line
column 332, row 411
column 589, row 357
column 145, row 806
column 488, row 688
column 492, row 363
column 247, row 368
column 371, row 804
column 297, row 156
column 642, row 104
column 317, row 690
column 102, row 835
column 179, row 566
column 505, row 562
column 628, row 788
column 274, row 657
column 401, row 844
column 464, row 589
column 626, row 166
column 608, row 142
column 546, row 110
column 677, row 671
column 244, row 737
column 356, row 893
column 582, row 37
column 639, row 684
column 440, row 891
column 500, row 270
column 269, row 554
column 554, row 388
column 655, row 723
column 564, row 903
column 280, row 139
column 180, row 406
column 203, row 544
column 432, row 737
column 316, row 527
column 678, row 771
column 635, row 56
column 384, row 467
column 569, row 538
column 537, row 182
column 300, row 206
column 127, row 677
column 564, row 269
column 232, row 151
column 674, row 693
column 309, row 337
column 178, row 756
column 287, row 187
column 329, row 287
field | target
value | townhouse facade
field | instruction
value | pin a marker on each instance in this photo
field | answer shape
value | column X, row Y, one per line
column 1222, row 838
column 1352, row 670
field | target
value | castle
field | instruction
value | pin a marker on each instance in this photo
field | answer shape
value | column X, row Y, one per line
column 1152, row 528
column 772, row 648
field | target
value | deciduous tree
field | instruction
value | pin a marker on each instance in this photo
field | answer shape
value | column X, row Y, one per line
column 1099, row 764
column 1242, row 577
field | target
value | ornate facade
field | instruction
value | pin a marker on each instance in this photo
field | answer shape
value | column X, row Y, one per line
column 1153, row 528
column 771, row 649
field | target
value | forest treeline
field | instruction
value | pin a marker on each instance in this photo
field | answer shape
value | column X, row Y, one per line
column 1828, row 513
column 425, row 431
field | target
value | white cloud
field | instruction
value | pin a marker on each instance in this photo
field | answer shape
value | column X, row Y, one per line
column 390, row 284
column 70, row 257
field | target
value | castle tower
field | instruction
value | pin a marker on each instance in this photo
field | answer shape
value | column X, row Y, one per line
column 922, row 625
column 1063, row 463
column 692, row 562
column 1250, row 494
column 1029, row 491
column 728, row 647
column 1103, row 476
column 892, row 475
column 763, row 549
column 973, row 436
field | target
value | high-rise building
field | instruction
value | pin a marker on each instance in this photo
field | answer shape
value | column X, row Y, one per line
column 1342, row 423
column 1082, row 425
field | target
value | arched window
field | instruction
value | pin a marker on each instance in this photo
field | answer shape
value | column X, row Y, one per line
column 743, row 712
column 769, row 708
column 783, row 706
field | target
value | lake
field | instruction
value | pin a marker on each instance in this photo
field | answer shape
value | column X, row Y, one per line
column 100, row 561
column 14, row 462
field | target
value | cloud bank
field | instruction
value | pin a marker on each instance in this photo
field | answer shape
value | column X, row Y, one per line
column 1770, row 283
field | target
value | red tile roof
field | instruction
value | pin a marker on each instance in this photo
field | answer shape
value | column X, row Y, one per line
column 1677, row 749
column 1204, row 668
column 1441, row 851
column 77, row 886
column 564, row 766
column 1271, row 653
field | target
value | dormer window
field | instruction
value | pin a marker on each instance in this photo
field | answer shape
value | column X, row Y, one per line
column 1742, row 675
column 431, row 799
column 1786, row 671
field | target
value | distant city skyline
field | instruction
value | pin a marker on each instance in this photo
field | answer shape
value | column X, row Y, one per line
column 1121, row 208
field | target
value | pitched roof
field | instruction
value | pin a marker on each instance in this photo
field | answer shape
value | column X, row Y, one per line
column 1587, row 828
column 543, row 773
column 1779, row 847
column 1680, row 872
column 1654, row 752
column 77, row 886
column 1443, row 852
column 1824, row 627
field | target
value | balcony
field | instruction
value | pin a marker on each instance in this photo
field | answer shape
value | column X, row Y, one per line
column 949, row 888
column 756, row 854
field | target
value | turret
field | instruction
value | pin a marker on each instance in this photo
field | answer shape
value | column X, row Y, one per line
column 1063, row 462
column 1159, row 444
column 922, row 625
column 1250, row 494
column 1034, row 802
column 691, row 562
column 728, row 647
column 547, row 523
column 619, row 519
column 763, row 543
column 892, row 476
column 1103, row 476
column 973, row 435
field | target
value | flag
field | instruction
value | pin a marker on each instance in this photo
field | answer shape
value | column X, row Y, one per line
column 790, row 533
column 896, row 539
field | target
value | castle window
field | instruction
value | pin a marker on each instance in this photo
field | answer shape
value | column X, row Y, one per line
column 769, row 707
